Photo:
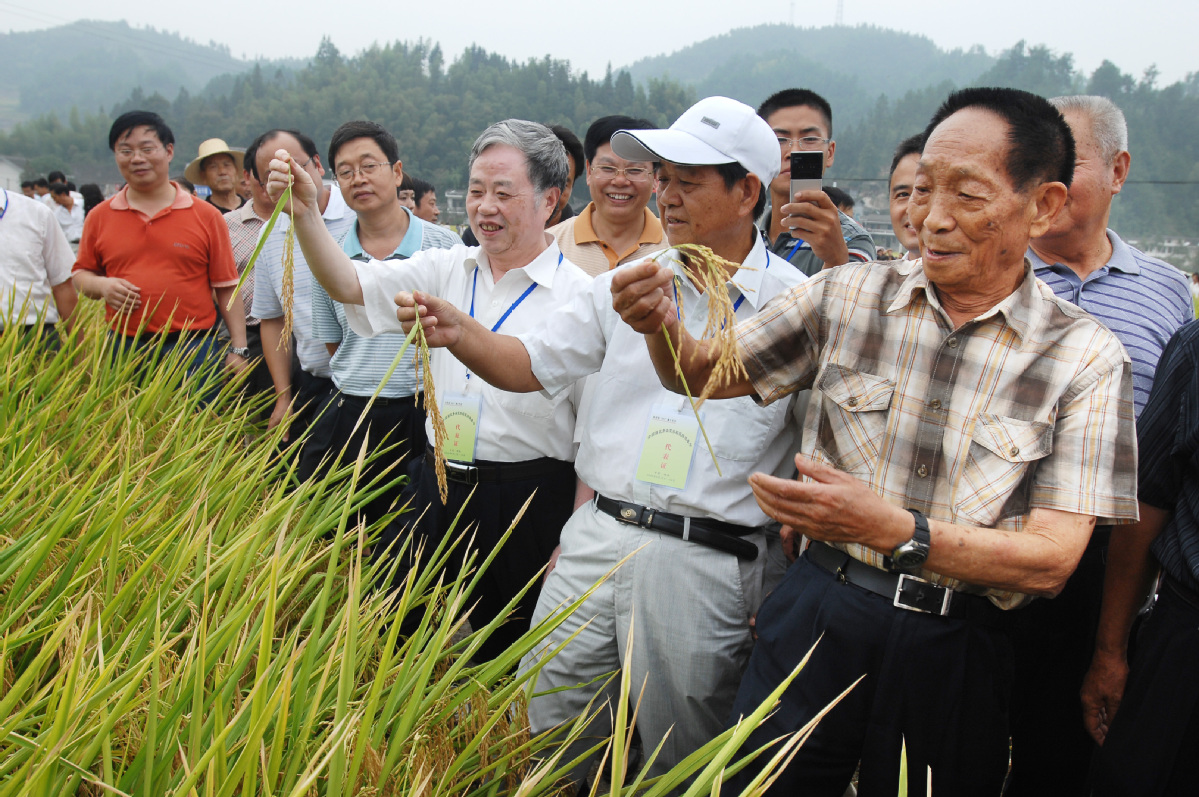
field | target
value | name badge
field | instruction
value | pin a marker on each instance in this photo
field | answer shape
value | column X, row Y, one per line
column 461, row 414
column 669, row 446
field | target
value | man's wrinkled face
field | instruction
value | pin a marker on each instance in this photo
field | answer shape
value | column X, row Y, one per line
column 286, row 141
column 506, row 214
column 1096, row 180
column 220, row 172
column 619, row 188
column 695, row 205
column 972, row 223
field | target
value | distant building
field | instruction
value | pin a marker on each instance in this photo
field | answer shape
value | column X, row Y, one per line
column 10, row 172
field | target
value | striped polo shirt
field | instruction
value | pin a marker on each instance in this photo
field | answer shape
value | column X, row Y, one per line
column 360, row 364
column 1141, row 299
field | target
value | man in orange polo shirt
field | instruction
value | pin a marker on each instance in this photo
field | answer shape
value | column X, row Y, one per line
column 617, row 226
column 155, row 255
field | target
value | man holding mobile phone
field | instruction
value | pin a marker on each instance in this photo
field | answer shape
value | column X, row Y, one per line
column 805, row 228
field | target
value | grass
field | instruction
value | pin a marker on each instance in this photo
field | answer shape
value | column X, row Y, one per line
column 178, row 615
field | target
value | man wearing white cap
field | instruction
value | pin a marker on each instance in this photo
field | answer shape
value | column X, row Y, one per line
column 701, row 561
column 219, row 167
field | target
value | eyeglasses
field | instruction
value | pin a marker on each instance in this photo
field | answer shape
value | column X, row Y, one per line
column 634, row 174
column 807, row 143
column 147, row 151
column 346, row 173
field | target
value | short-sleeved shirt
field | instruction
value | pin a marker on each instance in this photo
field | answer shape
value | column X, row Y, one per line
column 513, row 427
column 588, row 337
column 175, row 258
column 70, row 219
column 1140, row 298
column 245, row 226
column 34, row 258
column 1027, row 406
column 1168, row 434
column 268, row 285
column 799, row 254
column 359, row 364
column 578, row 241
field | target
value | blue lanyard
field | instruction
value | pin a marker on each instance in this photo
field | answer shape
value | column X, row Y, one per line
column 798, row 243
column 4, row 209
column 474, row 285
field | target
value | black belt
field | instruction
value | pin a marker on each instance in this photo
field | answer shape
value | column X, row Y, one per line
column 475, row 472
column 903, row 590
column 712, row 533
column 381, row 401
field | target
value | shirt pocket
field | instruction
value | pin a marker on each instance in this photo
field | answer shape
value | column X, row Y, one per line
column 739, row 428
column 997, row 479
column 853, row 421
column 529, row 405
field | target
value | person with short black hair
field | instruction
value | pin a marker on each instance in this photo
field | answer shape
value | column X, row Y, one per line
column 92, row 196
column 27, row 188
column 807, row 230
column 41, row 187
column 425, row 197
column 948, row 475
column 841, row 199
column 68, row 212
column 155, row 256
column 616, row 226
column 574, row 157
column 899, row 190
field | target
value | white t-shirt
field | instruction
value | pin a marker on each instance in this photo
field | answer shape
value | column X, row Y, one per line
column 34, row 258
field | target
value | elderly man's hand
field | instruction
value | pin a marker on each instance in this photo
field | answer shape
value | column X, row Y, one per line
column 643, row 296
column 1102, row 691
column 443, row 323
column 835, row 507
column 814, row 218
column 304, row 192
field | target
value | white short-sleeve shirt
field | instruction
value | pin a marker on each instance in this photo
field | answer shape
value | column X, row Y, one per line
column 34, row 258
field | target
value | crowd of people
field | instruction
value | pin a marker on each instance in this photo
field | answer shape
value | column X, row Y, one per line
column 953, row 477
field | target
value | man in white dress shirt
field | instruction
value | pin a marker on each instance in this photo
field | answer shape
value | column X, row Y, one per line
column 502, row 446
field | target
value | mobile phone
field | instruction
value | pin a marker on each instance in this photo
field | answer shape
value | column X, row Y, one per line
column 807, row 171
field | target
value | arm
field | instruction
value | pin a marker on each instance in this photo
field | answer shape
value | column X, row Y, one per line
column 119, row 294
column 278, row 363
column 836, row 507
column 500, row 360
column 642, row 296
column 330, row 266
column 65, row 300
column 235, row 321
column 1126, row 583
column 814, row 218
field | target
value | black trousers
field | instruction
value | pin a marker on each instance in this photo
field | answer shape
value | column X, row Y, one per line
column 940, row 684
column 491, row 510
column 333, row 440
column 1152, row 747
column 1053, row 640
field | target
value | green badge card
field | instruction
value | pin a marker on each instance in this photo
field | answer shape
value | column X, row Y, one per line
column 461, row 413
column 669, row 446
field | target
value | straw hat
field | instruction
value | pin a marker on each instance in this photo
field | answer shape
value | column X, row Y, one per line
column 213, row 146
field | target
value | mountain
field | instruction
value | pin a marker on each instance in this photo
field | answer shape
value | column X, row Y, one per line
column 92, row 65
column 850, row 65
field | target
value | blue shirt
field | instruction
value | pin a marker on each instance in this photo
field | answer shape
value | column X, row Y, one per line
column 1168, row 439
column 360, row 364
column 1141, row 299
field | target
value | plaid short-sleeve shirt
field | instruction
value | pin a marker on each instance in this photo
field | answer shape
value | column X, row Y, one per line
column 1028, row 405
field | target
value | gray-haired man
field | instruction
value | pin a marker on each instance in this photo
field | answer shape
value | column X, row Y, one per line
column 502, row 446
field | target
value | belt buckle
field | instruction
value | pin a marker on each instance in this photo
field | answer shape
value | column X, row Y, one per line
column 922, row 596
column 463, row 474
column 632, row 515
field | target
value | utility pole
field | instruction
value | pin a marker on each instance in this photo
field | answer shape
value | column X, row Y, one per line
column 840, row 13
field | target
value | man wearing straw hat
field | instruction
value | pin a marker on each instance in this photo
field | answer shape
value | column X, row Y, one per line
column 219, row 167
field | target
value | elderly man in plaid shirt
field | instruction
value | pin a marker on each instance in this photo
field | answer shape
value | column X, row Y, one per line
column 967, row 430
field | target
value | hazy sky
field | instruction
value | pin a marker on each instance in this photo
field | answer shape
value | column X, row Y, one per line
column 590, row 35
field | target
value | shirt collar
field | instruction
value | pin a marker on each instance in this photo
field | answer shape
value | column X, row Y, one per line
column 540, row 270
column 246, row 214
column 747, row 280
column 1121, row 259
column 651, row 230
column 182, row 199
column 409, row 246
column 1021, row 309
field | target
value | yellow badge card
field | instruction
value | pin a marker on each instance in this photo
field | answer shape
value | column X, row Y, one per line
column 668, row 448
column 461, row 413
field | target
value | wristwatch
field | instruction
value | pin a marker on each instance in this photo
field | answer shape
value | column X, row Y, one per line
column 243, row 352
column 911, row 555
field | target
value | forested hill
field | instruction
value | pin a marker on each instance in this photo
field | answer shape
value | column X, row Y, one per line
column 851, row 66
column 91, row 65
column 434, row 109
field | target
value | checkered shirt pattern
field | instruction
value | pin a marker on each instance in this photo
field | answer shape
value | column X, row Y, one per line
column 1028, row 405
column 244, row 229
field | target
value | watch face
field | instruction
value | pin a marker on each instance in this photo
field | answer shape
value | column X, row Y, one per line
column 910, row 558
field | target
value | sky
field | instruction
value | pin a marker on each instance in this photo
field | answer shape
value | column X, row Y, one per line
column 1133, row 36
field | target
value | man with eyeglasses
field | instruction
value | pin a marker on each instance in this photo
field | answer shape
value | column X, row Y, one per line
column 312, row 382
column 616, row 226
column 155, row 256
column 366, row 163
column 807, row 230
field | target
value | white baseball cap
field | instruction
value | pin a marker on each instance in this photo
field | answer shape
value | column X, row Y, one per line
column 713, row 131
